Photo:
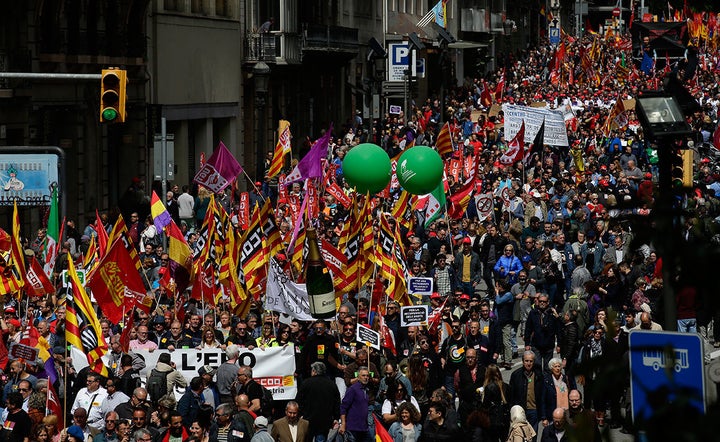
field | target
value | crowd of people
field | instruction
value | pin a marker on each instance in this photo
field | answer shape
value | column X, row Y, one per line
column 547, row 285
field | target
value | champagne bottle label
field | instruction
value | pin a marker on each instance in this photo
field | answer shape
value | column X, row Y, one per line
column 322, row 304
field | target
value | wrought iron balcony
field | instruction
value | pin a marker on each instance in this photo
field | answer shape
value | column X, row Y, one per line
column 273, row 47
column 338, row 39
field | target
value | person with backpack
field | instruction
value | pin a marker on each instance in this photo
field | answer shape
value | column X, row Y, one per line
column 259, row 396
column 164, row 378
column 189, row 404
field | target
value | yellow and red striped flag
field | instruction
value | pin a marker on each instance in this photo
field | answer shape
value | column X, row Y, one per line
column 282, row 148
column 444, row 144
column 82, row 325
column 12, row 279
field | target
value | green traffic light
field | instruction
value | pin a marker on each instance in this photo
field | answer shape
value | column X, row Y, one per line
column 109, row 114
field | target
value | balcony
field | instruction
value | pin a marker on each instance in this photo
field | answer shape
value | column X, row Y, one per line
column 337, row 40
column 273, row 47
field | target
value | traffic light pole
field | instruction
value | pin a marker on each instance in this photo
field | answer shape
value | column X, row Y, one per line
column 49, row 76
column 667, row 230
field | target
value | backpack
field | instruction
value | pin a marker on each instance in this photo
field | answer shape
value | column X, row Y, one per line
column 266, row 403
column 157, row 385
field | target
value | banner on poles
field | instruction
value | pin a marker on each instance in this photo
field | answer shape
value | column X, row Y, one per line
column 555, row 130
column 285, row 296
column 272, row 367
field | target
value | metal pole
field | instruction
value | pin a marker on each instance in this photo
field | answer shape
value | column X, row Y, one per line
column 163, row 171
column 48, row 76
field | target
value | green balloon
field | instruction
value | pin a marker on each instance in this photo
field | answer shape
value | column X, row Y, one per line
column 419, row 170
column 367, row 168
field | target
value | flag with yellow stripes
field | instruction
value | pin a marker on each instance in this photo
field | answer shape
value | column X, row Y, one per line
column 82, row 327
column 253, row 256
column 12, row 276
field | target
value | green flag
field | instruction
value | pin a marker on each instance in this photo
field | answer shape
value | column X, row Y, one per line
column 53, row 232
column 436, row 203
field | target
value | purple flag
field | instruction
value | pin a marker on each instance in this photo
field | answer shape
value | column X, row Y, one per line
column 311, row 165
column 219, row 171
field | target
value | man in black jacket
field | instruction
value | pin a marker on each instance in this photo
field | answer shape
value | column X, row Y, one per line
column 319, row 400
column 541, row 331
column 526, row 388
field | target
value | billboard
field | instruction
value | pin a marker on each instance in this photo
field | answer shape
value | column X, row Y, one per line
column 27, row 178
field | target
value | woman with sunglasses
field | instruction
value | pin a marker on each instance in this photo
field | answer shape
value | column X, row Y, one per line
column 396, row 394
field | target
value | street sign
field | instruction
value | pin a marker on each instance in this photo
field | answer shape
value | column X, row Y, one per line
column 554, row 36
column 399, row 61
column 664, row 365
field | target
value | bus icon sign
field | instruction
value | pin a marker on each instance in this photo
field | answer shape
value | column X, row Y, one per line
column 658, row 359
column 667, row 362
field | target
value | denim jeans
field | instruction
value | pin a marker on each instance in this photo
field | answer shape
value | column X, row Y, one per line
column 687, row 325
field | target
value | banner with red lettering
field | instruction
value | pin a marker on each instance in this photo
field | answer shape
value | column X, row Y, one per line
column 313, row 200
column 340, row 196
column 244, row 210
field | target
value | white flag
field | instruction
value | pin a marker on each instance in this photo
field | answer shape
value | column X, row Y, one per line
column 285, row 296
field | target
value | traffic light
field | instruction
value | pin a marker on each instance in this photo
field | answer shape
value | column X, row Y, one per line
column 682, row 168
column 113, row 95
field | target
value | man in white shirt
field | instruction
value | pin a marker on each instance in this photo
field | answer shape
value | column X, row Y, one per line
column 113, row 399
column 186, row 203
column 91, row 398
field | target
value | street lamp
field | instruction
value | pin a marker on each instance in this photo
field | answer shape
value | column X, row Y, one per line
column 661, row 116
column 261, row 74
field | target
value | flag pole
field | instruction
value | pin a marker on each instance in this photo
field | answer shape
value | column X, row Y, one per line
column 253, row 184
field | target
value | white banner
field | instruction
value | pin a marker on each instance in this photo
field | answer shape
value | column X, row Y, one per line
column 555, row 131
column 273, row 367
column 285, row 296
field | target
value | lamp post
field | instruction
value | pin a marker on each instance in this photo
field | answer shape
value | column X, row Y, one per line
column 261, row 74
column 663, row 122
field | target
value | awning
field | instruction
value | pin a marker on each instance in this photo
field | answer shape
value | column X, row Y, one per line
column 467, row 45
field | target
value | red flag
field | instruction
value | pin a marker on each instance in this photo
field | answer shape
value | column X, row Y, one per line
column 102, row 235
column 381, row 434
column 388, row 338
column 30, row 336
column 716, row 137
column 114, row 280
column 129, row 324
column 516, row 148
column 244, row 210
column 37, row 282
column 53, row 406
column 500, row 88
column 340, row 196
column 460, row 200
column 485, row 95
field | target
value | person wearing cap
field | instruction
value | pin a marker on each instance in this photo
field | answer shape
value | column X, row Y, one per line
column 444, row 277
column 210, row 391
column 467, row 267
column 261, row 430
column 462, row 310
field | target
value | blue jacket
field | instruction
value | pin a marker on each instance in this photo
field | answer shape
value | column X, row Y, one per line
column 508, row 264
column 550, row 395
column 188, row 407
column 396, row 431
column 504, row 308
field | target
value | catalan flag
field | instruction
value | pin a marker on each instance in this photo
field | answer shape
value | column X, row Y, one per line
column 253, row 257
column 282, row 148
column 82, row 324
column 12, row 277
column 444, row 144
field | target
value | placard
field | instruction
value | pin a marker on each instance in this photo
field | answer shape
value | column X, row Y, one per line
column 22, row 351
column 413, row 315
column 368, row 336
column 555, row 130
column 420, row 286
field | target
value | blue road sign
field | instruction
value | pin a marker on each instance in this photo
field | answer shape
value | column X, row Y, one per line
column 668, row 363
column 554, row 35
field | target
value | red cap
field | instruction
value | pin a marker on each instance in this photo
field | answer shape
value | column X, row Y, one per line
column 648, row 175
column 15, row 322
column 465, row 296
column 435, row 295
column 466, row 240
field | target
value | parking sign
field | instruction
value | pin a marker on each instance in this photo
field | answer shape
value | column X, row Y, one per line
column 666, row 362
